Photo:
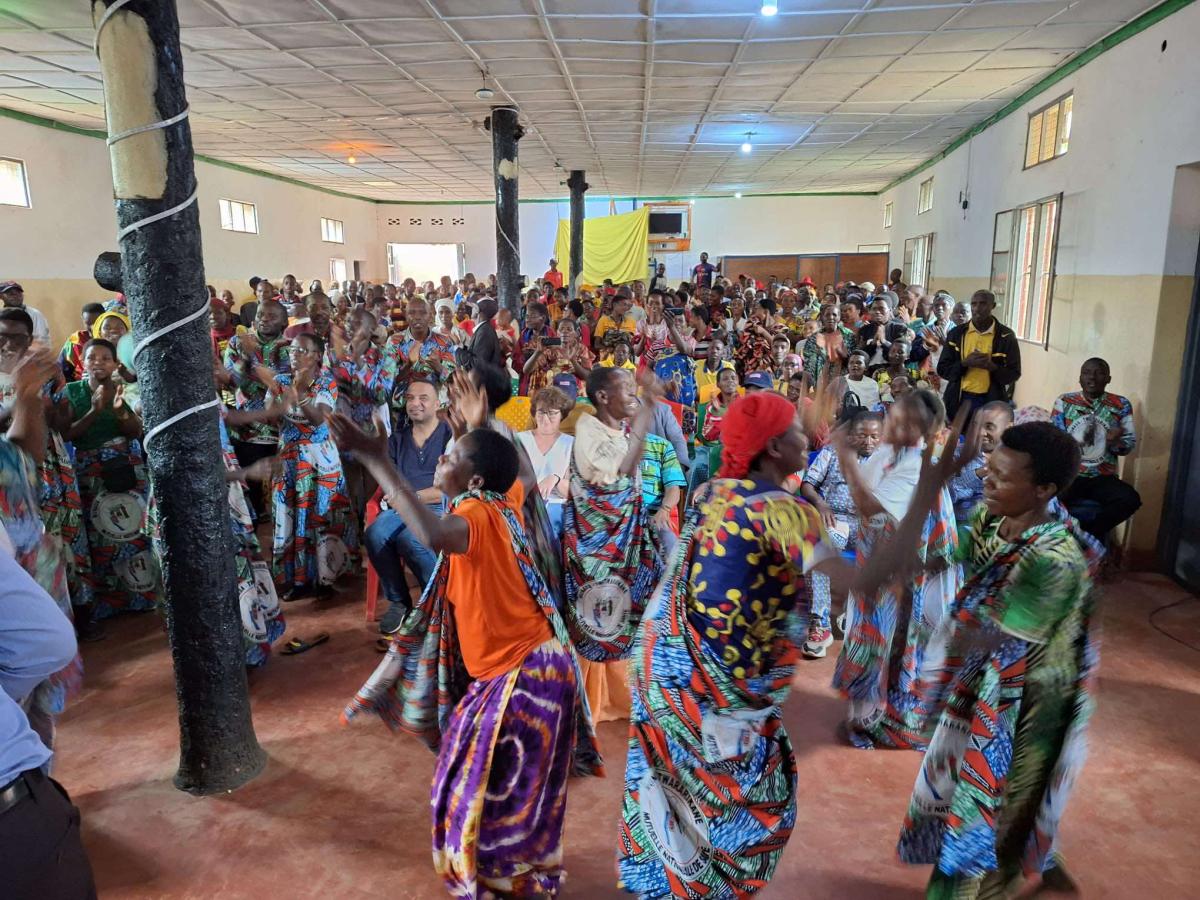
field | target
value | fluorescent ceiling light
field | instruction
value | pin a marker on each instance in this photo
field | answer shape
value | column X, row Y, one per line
column 769, row 7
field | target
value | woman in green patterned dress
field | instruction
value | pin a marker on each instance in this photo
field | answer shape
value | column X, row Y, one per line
column 1007, row 678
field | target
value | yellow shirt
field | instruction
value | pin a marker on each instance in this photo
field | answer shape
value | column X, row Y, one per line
column 607, row 324
column 977, row 381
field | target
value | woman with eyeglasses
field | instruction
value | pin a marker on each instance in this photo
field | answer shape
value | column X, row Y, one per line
column 314, row 525
column 550, row 450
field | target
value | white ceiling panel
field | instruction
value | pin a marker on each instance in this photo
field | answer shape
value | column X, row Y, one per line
column 652, row 97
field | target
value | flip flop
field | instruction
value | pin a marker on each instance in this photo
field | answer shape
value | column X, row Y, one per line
column 299, row 645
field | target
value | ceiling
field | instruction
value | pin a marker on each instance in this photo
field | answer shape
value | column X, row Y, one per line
column 650, row 97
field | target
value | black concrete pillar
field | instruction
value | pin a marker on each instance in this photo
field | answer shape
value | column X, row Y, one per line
column 578, row 186
column 505, row 134
column 162, row 276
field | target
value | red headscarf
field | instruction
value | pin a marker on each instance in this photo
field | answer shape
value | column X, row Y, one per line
column 745, row 429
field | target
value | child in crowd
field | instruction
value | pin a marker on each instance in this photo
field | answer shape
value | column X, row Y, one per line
column 864, row 389
column 825, row 487
column 966, row 488
column 662, row 483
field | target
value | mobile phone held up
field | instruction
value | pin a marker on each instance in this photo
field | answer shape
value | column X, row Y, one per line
column 551, row 342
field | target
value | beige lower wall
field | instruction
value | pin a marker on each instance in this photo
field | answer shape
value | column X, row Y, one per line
column 1138, row 324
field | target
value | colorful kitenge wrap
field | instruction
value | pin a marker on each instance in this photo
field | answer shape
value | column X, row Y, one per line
column 262, row 619
column 124, row 572
column 678, row 369
column 506, row 745
column 887, row 635
column 611, row 565
column 314, row 522
column 710, row 781
column 41, row 554
column 1008, row 724
column 61, row 505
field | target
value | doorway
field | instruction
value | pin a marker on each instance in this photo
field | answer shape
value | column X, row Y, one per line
column 424, row 262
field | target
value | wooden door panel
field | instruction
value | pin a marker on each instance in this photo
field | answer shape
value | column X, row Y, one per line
column 860, row 267
column 760, row 268
column 821, row 269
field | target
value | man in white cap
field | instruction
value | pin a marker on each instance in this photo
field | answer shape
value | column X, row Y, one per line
column 13, row 296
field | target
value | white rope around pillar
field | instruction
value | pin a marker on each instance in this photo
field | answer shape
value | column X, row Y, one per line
column 149, row 220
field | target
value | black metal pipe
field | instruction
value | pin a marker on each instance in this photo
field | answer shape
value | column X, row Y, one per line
column 162, row 276
column 578, row 187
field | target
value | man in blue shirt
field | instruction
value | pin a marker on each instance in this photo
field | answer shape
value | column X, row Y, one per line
column 415, row 450
column 39, row 828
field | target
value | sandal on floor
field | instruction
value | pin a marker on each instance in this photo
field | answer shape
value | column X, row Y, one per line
column 299, row 645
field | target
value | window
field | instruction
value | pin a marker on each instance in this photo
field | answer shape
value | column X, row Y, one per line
column 14, row 188
column 331, row 231
column 925, row 196
column 1049, row 131
column 1023, row 251
column 918, row 258
column 337, row 271
column 887, row 214
column 239, row 216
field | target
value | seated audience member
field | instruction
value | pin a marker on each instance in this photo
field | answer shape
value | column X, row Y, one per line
column 414, row 450
column 610, row 327
column 662, row 484
column 319, row 315
column 447, row 327
column 896, row 367
column 557, row 355
column 549, row 450
column 864, row 389
column 981, row 360
column 880, row 332
column 966, row 488
column 829, row 348
column 620, row 356
column 758, row 381
column 707, row 372
column 825, row 488
column 70, row 357
column 1102, row 424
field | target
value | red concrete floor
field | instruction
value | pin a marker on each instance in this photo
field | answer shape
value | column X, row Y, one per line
column 343, row 812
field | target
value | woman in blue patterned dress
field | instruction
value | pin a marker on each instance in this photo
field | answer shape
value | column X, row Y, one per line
column 314, row 522
column 710, row 782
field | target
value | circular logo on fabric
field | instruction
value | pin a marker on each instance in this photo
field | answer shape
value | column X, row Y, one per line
column 603, row 608
column 118, row 516
column 675, row 825
column 138, row 572
column 332, row 558
column 1091, row 434
column 252, row 620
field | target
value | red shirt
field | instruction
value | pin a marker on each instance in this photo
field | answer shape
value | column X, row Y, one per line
column 553, row 276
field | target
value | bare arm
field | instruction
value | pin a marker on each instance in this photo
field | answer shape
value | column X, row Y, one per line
column 864, row 500
column 28, row 422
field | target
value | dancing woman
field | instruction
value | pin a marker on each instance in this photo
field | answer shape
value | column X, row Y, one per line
column 710, row 782
column 610, row 554
column 506, row 739
column 1009, row 676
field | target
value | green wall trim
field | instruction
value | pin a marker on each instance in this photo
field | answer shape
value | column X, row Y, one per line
column 1125, row 32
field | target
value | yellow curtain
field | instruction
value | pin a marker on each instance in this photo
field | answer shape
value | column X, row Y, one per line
column 613, row 247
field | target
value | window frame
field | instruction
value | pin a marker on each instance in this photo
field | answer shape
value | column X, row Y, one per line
column 920, row 191
column 1040, row 113
column 888, row 214
column 327, row 230
column 906, row 257
column 1004, row 297
column 24, row 167
column 242, row 204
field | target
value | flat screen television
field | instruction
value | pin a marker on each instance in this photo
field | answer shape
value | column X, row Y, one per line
column 668, row 223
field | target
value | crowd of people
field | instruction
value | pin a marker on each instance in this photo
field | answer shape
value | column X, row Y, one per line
column 634, row 504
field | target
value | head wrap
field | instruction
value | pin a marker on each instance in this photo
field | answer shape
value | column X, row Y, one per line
column 444, row 303
column 747, row 427
column 794, row 359
column 104, row 317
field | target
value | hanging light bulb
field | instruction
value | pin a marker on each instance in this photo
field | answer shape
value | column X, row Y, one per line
column 352, row 159
column 747, row 147
column 770, row 7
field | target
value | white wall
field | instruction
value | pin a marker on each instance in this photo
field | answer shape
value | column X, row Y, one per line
column 1136, row 117
column 720, row 226
column 52, row 246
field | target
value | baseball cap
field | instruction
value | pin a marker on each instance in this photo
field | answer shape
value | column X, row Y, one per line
column 761, row 380
column 6, row 286
column 568, row 384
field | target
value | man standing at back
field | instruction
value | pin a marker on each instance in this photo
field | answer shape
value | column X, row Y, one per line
column 981, row 360
column 13, row 296
column 702, row 274
column 554, row 276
